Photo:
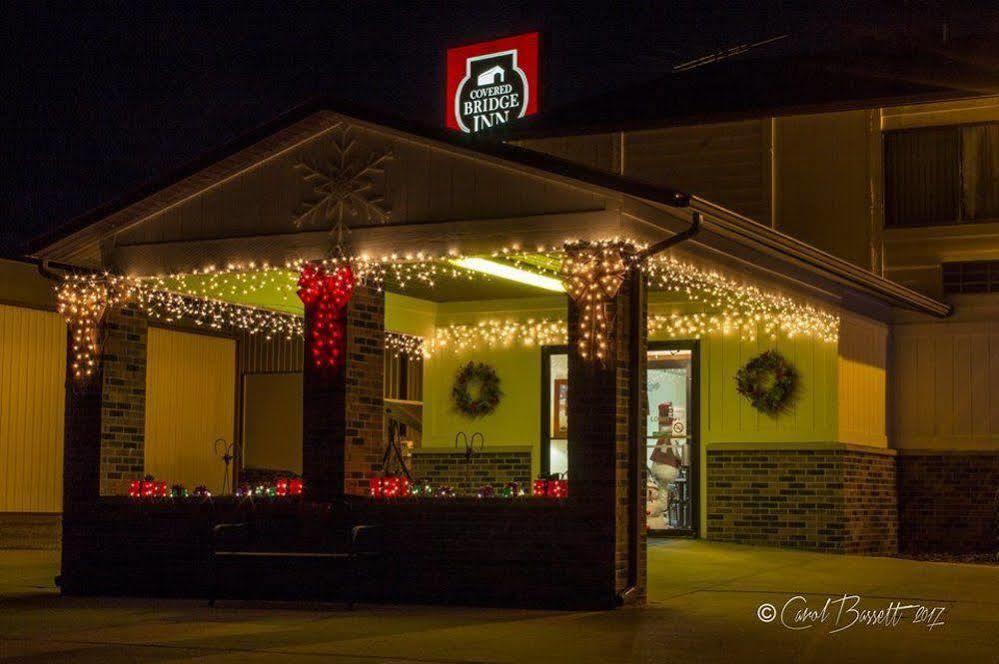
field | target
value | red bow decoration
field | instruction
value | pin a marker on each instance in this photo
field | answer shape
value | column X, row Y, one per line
column 325, row 294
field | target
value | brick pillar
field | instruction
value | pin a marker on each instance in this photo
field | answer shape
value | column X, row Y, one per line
column 601, row 448
column 365, row 437
column 123, row 408
column 81, row 468
column 342, row 427
column 81, row 457
column 105, row 414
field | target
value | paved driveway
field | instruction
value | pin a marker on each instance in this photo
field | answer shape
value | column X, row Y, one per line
column 704, row 600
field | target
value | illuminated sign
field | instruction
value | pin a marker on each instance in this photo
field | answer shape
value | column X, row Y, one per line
column 492, row 83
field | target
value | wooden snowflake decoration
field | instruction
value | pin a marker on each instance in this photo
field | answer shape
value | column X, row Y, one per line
column 346, row 185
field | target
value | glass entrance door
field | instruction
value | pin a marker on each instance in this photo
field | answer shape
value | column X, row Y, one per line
column 554, row 410
column 671, row 439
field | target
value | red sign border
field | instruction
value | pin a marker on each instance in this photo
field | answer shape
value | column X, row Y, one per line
column 526, row 44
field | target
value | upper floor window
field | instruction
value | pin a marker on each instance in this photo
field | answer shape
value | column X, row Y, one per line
column 942, row 175
column 971, row 277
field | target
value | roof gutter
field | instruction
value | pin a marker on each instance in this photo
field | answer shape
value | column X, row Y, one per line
column 748, row 232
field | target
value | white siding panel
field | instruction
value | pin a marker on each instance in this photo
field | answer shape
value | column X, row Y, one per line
column 190, row 402
column 946, row 385
column 32, row 406
column 725, row 163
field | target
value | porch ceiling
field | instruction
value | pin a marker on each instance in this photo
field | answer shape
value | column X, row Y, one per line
column 276, row 289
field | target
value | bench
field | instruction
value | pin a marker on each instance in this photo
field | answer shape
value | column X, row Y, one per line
column 234, row 541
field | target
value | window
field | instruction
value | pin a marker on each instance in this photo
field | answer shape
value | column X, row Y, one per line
column 403, row 378
column 404, row 397
column 942, row 175
column 971, row 277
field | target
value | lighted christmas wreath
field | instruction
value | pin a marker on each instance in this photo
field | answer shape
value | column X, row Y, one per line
column 768, row 381
column 489, row 392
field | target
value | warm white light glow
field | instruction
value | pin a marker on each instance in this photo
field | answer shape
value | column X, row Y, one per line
column 509, row 272
column 592, row 274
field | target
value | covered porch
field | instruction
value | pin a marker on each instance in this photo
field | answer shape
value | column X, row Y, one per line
column 342, row 351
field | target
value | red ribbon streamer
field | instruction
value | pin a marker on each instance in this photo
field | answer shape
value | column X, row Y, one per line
column 325, row 294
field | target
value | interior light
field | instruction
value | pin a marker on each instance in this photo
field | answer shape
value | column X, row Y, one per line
column 505, row 271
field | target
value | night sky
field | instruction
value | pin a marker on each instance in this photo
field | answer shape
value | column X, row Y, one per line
column 99, row 100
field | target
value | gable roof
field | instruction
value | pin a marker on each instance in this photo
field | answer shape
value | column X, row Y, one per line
column 85, row 233
column 289, row 130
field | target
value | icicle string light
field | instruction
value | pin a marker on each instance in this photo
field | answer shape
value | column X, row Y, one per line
column 404, row 345
column 592, row 273
column 84, row 301
column 232, row 282
column 496, row 334
column 398, row 270
column 735, row 307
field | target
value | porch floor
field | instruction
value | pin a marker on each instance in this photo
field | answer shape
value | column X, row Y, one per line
column 703, row 607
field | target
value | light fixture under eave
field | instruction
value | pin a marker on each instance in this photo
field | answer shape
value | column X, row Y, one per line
column 510, row 273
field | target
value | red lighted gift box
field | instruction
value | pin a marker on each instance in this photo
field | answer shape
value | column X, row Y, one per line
column 390, row 486
column 286, row 487
column 551, row 488
column 147, row 489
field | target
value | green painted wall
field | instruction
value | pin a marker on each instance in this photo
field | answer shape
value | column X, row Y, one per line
column 409, row 315
column 725, row 417
column 517, row 419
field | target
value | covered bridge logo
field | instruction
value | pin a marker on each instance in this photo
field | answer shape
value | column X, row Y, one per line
column 492, row 83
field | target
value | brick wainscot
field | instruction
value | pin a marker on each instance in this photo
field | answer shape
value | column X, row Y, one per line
column 948, row 501
column 841, row 499
column 466, row 475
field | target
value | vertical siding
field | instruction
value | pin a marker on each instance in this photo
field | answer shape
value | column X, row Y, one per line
column 32, row 398
column 823, row 178
column 862, row 384
column 272, row 421
column 598, row 151
column 946, row 386
column 258, row 355
column 190, row 402
column 728, row 417
column 726, row 163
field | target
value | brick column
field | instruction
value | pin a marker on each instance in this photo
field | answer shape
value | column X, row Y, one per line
column 601, row 448
column 81, row 468
column 81, row 457
column 105, row 414
column 123, row 408
column 365, row 435
column 342, row 431
column 103, row 443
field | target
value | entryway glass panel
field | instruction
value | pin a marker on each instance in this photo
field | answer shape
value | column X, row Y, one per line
column 671, row 439
column 555, row 396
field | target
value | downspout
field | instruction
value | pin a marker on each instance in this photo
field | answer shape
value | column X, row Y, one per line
column 636, row 301
column 46, row 271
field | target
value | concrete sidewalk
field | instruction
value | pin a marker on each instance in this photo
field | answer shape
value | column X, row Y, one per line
column 704, row 600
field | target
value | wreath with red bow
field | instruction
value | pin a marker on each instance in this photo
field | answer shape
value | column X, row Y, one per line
column 768, row 381
column 489, row 393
